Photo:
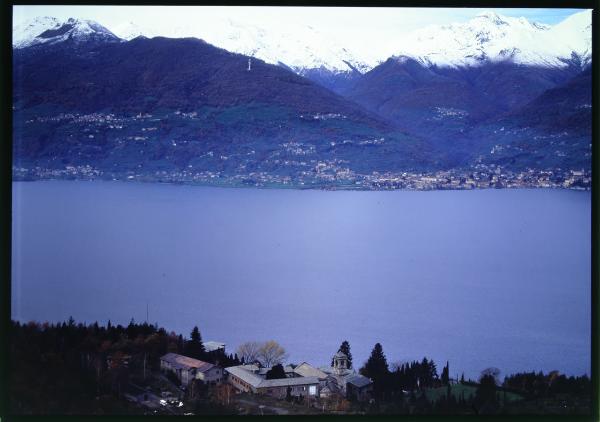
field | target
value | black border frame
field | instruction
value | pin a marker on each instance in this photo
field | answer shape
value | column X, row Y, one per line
column 6, row 184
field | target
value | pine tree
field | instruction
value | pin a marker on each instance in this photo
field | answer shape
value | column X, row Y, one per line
column 345, row 348
column 194, row 348
column 376, row 367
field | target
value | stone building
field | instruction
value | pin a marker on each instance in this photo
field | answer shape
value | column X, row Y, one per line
column 252, row 379
column 186, row 369
column 344, row 380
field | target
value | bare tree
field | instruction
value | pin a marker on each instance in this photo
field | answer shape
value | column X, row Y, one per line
column 491, row 372
column 271, row 353
column 249, row 351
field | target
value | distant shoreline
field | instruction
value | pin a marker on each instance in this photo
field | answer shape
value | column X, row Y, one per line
column 282, row 186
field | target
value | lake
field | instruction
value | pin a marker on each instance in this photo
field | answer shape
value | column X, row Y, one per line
column 480, row 278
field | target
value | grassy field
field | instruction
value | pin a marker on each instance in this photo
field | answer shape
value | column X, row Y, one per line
column 458, row 390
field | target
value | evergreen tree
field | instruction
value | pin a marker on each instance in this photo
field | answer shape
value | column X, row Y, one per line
column 446, row 374
column 194, row 348
column 376, row 367
column 345, row 349
column 180, row 344
column 276, row 372
column 485, row 395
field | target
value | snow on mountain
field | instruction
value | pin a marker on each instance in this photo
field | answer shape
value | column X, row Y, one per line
column 130, row 30
column 299, row 47
column 51, row 31
column 573, row 35
column 493, row 37
column 24, row 33
column 487, row 37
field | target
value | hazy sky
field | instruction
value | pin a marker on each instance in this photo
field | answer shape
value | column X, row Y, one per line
column 340, row 20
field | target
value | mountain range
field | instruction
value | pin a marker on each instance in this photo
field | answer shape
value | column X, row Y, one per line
column 298, row 103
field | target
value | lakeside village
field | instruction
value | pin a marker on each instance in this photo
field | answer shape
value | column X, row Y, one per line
column 297, row 159
column 69, row 368
column 328, row 175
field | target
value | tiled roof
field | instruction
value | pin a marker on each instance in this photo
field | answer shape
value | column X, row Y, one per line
column 358, row 380
column 284, row 382
column 258, row 382
column 330, row 370
column 185, row 362
column 245, row 375
column 307, row 370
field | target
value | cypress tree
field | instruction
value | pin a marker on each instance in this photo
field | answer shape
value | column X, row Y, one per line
column 446, row 374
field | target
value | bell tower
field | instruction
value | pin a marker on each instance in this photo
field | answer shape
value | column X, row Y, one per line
column 340, row 363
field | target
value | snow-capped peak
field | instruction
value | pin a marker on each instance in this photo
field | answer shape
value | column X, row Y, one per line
column 493, row 37
column 300, row 47
column 489, row 36
column 26, row 32
column 51, row 31
column 492, row 17
column 130, row 30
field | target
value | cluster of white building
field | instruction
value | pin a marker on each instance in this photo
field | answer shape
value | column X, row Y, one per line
column 302, row 380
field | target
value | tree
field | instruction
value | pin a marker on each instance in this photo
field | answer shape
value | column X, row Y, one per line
column 446, row 374
column 194, row 348
column 276, row 372
column 271, row 353
column 248, row 352
column 493, row 372
column 376, row 367
column 180, row 344
column 427, row 373
column 345, row 349
column 485, row 396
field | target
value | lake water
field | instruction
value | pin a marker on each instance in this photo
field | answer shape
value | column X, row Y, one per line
column 480, row 278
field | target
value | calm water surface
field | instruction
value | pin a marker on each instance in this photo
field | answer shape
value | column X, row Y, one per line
column 480, row 278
